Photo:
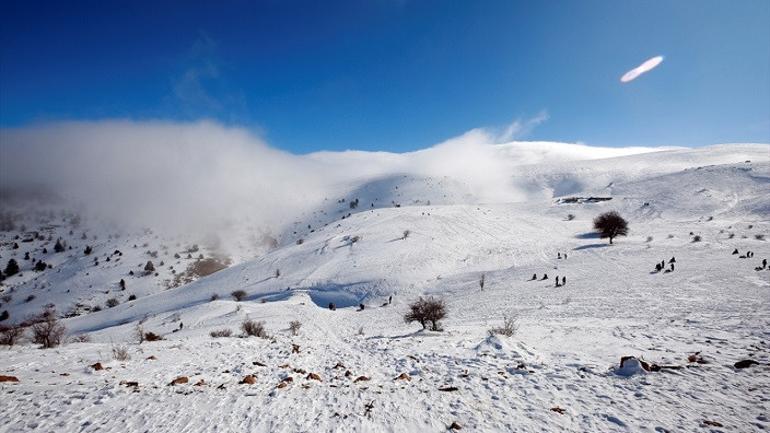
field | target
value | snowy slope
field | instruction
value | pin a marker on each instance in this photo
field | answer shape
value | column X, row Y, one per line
column 569, row 341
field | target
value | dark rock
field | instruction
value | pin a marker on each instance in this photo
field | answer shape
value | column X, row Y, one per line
column 746, row 363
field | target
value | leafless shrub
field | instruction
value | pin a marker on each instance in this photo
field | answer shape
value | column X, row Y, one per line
column 10, row 335
column 253, row 328
column 139, row 333
column 696, row 238
column 759, row 237
column 120, row 353
column 509, row 328
column 80, row 338
column 46, row 329
column 221, row 333
column 238, row 295
column 112, row 302
column 426, row 311
column 406, row 234
column 294, row 326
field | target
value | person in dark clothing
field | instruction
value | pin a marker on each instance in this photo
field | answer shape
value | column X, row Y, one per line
column 673, row 260
column 563, row 281
column 735, row 251
column 764, row 263
column 181, row 325
column 557, row 281
column 534, row 277
column 672, row 267
column 545, row 277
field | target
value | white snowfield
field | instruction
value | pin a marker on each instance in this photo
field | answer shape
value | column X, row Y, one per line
column 560, row 371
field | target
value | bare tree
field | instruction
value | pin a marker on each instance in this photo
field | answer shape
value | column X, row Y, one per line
column 294, row 326
column 238, row 295
column 10, row 335
column 139, row 333
column 426, row 311
column 46, row 329
column 610, row 224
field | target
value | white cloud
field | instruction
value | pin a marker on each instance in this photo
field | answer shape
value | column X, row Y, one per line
column 521, row 128
column 201, row 175
column 647, row 66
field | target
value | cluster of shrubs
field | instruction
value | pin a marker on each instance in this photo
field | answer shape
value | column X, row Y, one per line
column 45, row 328
column 252, row 328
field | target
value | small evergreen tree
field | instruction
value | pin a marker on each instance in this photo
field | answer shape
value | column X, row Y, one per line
column 12, row 268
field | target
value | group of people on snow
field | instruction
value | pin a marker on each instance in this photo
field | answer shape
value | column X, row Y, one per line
column 661, row 266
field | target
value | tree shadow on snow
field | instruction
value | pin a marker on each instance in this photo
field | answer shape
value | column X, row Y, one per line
column 589, row 246
column 588, row 235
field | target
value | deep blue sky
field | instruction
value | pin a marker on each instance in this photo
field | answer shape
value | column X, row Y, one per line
column 395, row 75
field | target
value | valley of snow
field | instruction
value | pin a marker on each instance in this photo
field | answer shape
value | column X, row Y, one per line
column 423, row 224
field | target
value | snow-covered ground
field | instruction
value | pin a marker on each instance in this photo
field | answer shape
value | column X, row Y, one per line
column 558, row 372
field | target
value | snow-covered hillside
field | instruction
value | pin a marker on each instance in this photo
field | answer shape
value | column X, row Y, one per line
column 418, row 227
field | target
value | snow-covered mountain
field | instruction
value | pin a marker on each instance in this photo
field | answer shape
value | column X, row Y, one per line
column 382, row 230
